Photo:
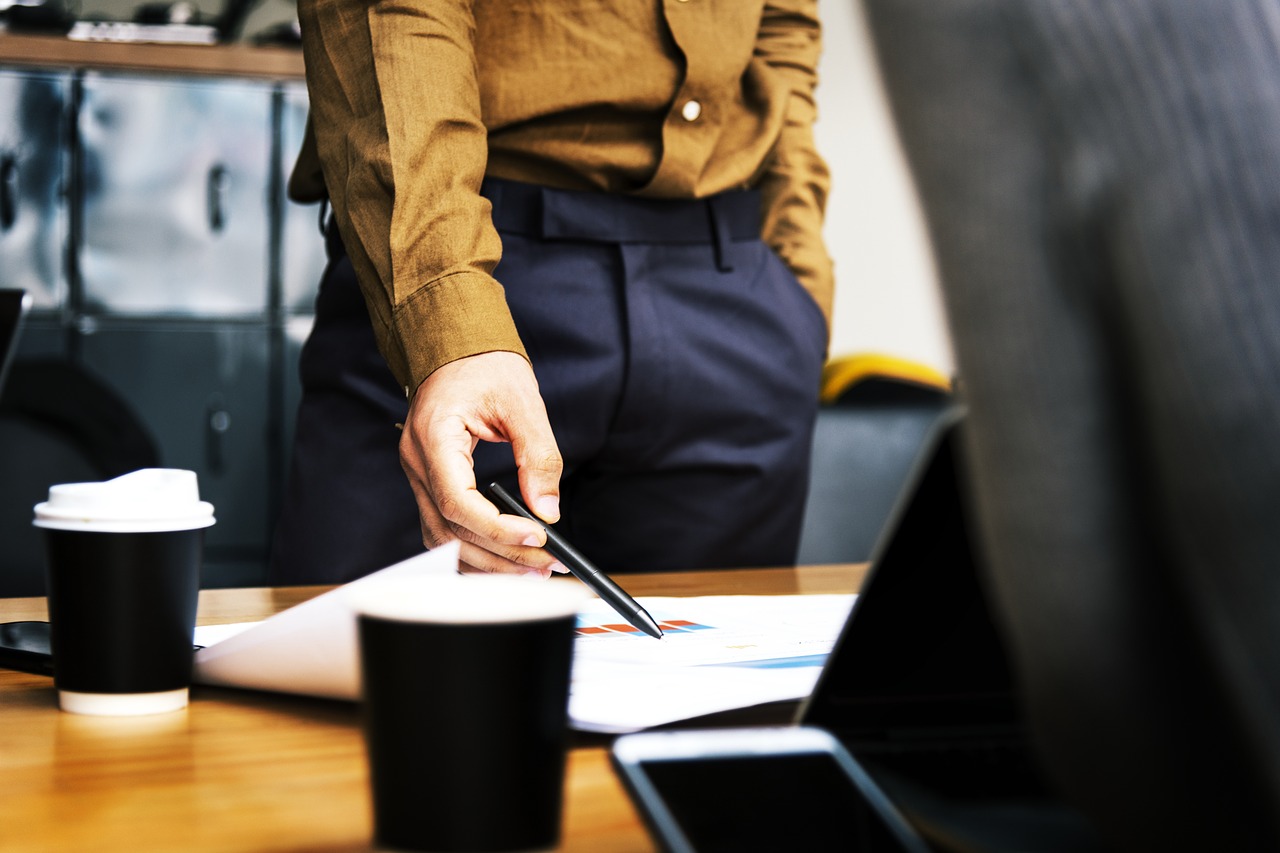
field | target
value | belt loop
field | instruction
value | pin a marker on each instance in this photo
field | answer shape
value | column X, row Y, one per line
column 538, row 212
column 720, row 234
column 517, row 207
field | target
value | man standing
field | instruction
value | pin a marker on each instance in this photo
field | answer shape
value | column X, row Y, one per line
column 588, row 237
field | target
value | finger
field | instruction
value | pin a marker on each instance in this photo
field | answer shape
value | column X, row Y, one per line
column 493, row 536
column 475, row 559
column 479, row 554
column 539, row 466
column 529, row 560
column 444, row 486
column 435, row 530
column 477, row 520
column 532, row 556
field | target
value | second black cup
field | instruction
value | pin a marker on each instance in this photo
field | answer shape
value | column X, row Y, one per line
column 465, row 691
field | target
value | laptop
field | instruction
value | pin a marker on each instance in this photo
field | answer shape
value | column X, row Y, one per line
column 23, row 645
column 919, row 686
column 14, row 305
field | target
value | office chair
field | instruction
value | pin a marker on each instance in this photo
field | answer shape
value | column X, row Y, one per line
column 58, row 424
column 876, row 411
column 1101, row 189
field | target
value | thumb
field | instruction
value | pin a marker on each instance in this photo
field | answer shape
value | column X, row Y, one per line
column 539, row 466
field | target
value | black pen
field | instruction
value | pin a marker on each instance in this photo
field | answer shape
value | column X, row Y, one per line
column 580, row 567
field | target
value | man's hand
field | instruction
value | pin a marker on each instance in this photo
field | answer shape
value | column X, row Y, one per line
column 488, row 397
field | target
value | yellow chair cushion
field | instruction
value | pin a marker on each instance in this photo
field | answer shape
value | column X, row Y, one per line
column 847, row 374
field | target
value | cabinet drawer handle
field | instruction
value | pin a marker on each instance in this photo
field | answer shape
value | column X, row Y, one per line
column 217, row 423
column 8, row 191
column 218, row 184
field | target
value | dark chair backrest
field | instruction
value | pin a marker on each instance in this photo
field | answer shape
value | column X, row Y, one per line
column 1101, row 189
column 876, row 412
column 862, row 454
column 58, row 424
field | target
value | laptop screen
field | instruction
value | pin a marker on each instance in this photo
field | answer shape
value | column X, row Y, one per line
column 919, row 655
column 13, row 306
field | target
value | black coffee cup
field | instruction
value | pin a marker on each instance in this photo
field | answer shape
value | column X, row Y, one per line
column 123, row 571
column 465, row 686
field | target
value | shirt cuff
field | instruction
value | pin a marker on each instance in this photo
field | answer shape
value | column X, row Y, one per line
column 454, row 317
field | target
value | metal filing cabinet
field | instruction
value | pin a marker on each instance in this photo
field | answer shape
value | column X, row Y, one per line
column 34, row 229
column 203, row 389
column 175, row 211
column 33, row 207
column 174, row 196
column 152, row 227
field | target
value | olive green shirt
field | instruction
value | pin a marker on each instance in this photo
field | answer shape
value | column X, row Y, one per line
column 413, row 103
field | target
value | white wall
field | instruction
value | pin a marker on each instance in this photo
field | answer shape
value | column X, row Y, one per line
column 886, row 299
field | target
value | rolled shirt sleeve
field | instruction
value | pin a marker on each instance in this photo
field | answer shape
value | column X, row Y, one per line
column 396, row 110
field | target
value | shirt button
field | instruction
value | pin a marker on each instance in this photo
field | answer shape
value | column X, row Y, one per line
column 691, row 110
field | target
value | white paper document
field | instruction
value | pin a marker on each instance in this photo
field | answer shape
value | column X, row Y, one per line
column 309, row 648
column 719, row 653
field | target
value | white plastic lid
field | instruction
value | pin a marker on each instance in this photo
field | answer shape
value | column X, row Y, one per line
column 468, row 599
column 144, row 501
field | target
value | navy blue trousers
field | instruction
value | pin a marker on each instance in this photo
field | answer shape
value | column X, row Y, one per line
column 679, row 360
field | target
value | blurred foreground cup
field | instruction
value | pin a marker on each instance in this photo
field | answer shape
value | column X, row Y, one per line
column 123, row 571
column 465, row 708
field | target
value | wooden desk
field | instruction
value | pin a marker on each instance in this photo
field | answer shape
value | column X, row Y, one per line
column 244, row 771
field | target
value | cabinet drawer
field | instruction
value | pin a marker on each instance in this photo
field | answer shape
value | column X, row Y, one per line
column 203, row 392
column 175, row 205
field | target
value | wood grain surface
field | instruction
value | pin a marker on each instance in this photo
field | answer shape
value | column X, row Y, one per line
column 245, row 771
